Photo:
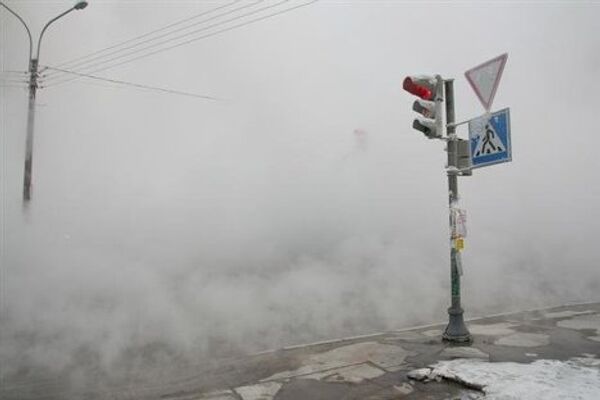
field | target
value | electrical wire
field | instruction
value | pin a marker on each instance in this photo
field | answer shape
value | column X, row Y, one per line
column 14, row 86
column 183, row 36
column 17, row 78
column 66, row 64
column 195, row 39
column 13, row 80
column 80, row 65
column 6, row 83
column 10, row 71
column 131, row 84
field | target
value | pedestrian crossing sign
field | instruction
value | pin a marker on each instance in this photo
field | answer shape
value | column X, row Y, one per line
column 489, row 137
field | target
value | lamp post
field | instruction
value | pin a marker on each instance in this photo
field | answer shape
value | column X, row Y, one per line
column 33, row 76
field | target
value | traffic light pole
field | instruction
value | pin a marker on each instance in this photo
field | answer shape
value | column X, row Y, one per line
column 456, row 331
column 430, row 90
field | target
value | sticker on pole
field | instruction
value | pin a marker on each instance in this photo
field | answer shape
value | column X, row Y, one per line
column 489, row 136
column 458, row 223
column 484, row 79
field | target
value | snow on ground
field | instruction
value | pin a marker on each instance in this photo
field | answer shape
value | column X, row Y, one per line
column 578, row 378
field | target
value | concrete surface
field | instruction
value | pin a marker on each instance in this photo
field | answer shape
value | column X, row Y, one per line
column 373, row 367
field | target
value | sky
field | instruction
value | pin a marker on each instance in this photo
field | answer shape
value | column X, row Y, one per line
column 168, row 224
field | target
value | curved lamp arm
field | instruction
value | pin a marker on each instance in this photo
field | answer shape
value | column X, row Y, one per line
column 37, row 56
column 26, row 28
column 80, row 5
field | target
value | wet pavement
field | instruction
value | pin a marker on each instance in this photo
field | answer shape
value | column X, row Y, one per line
column 374, row 367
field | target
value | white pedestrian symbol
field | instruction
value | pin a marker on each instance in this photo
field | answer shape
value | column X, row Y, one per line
column 488, row 142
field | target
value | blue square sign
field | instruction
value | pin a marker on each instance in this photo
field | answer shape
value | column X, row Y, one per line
column 489, row 137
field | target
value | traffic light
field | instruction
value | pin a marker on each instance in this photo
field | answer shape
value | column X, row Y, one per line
column 422, row 86
column 430, row 91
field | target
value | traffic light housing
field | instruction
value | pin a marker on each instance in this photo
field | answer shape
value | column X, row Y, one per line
column 430, row 90
column 422, row 86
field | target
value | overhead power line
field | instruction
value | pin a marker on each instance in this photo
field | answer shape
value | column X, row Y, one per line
column 13, row 86
column 64, row 64
column 92, row 59
column 10, row 71
column 136, row 50
column 13, row 80
column 194, row 39
column 95, row 61
column 131, row 84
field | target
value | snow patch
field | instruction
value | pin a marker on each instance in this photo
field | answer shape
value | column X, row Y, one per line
column 565, row 314
column 581, row 322
column 318, row 366
column 578, row 378
column 464, row 352
column 591, row 322
column 432, row 333
column 218, row 395
column 420, row 374
column 352, row 374
column 500, row 329
column 262, row 391
column 524, row 340
column 405, row 388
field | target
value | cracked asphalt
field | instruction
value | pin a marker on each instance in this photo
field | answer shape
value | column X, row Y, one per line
column 373, row 367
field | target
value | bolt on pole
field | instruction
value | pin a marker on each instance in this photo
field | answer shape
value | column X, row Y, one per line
column 456, row 331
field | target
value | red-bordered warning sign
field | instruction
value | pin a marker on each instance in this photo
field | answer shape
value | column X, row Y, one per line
column 484, row 79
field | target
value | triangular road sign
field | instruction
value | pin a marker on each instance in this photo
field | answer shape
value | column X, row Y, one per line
column 484, row 79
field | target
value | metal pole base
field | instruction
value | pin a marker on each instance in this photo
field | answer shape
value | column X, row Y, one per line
column 456, row 331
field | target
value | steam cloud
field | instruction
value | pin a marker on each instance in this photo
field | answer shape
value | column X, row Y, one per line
column 175, row 231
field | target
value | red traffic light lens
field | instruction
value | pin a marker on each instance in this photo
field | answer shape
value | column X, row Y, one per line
column 418, row 90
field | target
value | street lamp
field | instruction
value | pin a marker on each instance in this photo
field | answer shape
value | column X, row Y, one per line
column 33, row 76
column 81, row 5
